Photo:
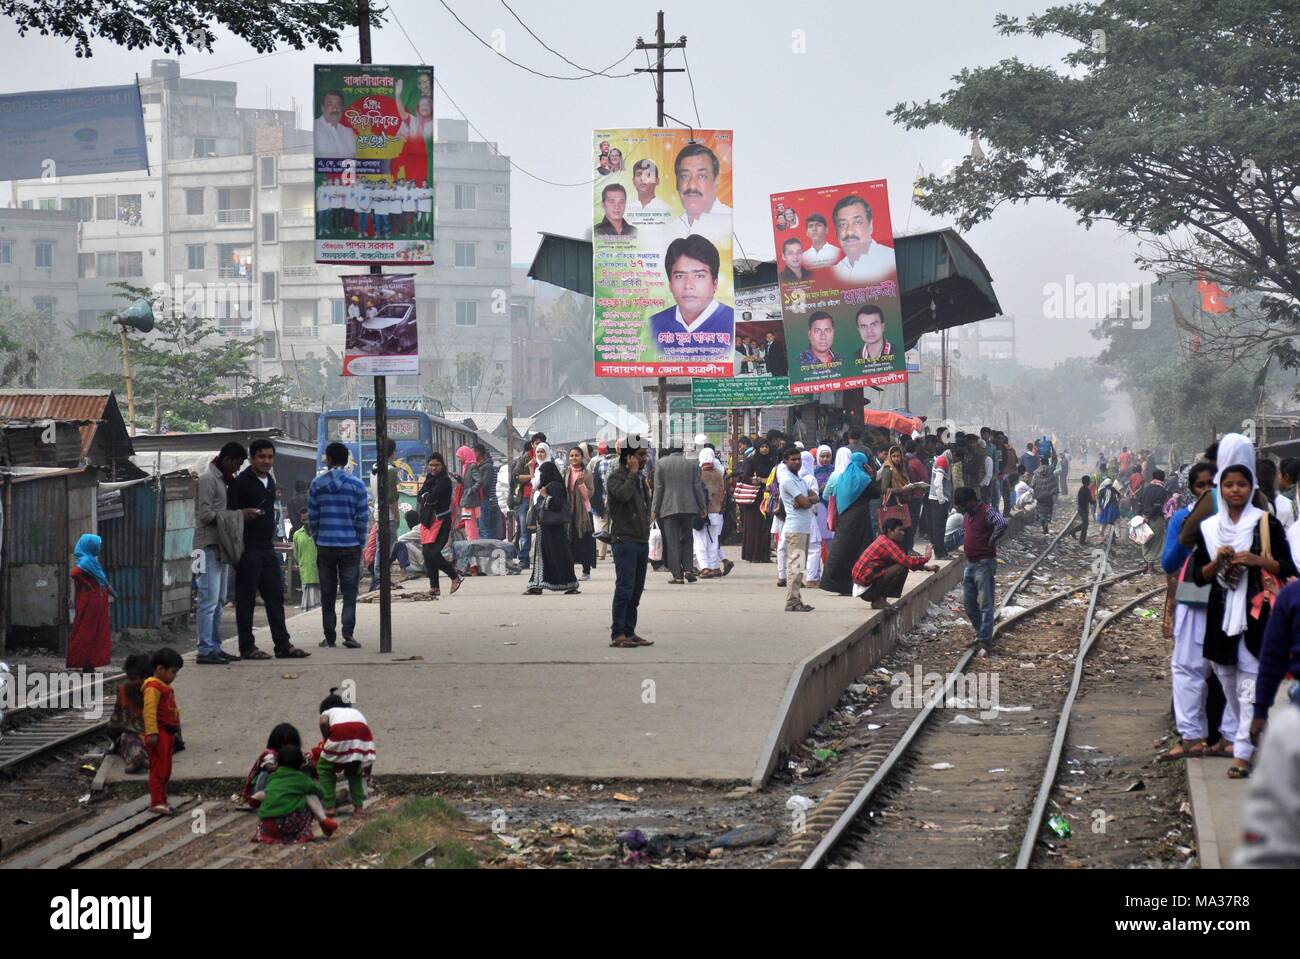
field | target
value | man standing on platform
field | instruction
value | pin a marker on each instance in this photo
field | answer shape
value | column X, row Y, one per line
column 628, row 523
column 337, row 519
column 258, row 570
column 679, row 497
column 217, row 506
column 982, row 527
column 798, row 501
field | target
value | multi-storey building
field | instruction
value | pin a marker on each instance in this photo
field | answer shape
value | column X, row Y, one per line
column 225, row 218
column 38, row 263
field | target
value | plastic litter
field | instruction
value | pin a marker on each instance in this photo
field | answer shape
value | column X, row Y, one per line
column 1059, row 825
column 798, row 802
column 962, row 720
column 942, row 766
column 826, row 754
column 1009, row 611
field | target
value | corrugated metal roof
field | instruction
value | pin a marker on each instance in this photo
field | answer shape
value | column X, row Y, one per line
column 95, row 407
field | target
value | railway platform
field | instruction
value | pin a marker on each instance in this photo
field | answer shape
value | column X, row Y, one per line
column 494, row 682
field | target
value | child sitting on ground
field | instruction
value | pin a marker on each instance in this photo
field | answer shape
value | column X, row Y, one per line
column 127, row 725
column 348, row 746
column 268, row 760
column 290, row 803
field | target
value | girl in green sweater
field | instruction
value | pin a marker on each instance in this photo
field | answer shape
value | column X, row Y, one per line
column 291, row 804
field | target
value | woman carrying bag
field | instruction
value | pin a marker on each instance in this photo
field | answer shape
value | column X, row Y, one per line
column 439, row 499
column 550, row 515
column 1242, row 555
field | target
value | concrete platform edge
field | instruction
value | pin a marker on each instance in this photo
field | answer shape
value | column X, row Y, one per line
column 1207, row 840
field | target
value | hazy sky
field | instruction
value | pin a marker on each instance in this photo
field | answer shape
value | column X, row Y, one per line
column 800, row 119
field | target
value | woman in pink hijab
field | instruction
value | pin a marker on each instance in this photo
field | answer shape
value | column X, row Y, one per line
column 471, row 497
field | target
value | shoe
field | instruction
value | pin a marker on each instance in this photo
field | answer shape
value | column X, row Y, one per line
column 351, row 643
column 326, row 644
column 586, row 576
column 690, row 577
column 813, row 584
column 636, row 640
column 622, row 642
column 228, row 657
column 163, row 810
column 255, row 653
column 780, row 583
column 328, row 826
column 677, row 582
column 212, row 659
column 727, row 566
column 572, row 592
column 289, row 652
column 801, row 608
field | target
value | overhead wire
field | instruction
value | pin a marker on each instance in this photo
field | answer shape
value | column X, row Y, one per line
column 601, row 73
column 528, row 69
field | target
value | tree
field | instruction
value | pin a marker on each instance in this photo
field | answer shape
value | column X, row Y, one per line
column 180, row 25
column 38, row 351
column 317, row 381
column 1175, row 119
column 186, row 366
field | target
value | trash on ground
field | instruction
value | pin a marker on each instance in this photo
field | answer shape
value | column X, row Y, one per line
column 1008, row 611
column 1059, row 825
column 963, row 720
column 1136, row 787
column 942, row 766
column 624, row 797
column 799, row 802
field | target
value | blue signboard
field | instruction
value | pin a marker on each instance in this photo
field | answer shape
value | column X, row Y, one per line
column 55, row 133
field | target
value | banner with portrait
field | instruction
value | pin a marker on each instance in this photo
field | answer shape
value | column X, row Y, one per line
column 662, row 253
column 373, row 135
column 839, row 287
column 762, row 363
column 381, row 332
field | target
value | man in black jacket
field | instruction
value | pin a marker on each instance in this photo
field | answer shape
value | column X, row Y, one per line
column 628, row 509
column 258, row 570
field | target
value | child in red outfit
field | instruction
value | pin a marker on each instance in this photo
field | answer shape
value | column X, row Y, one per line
column 162, row 724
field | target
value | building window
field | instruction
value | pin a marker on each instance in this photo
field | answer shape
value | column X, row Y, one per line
column 83, row 206
column 205, row 147
column 466, row 255
column 6, row 252
column 268, row 347
column 466, row 196
column 49, row 203
column 132, row 264
column 468, row 377
column 338, row 312
column 129, row 209
column 106, row 208
column 500, row 189
column 269, row 286
column 27, row 204
column 106, row 265
column 85, row 266
column 44, row 306
column 544, row 370
column 194, row 201
column 44, row 253
column 268, row 227
column 266, row 171
column 194, row 256
column 466, row 313
column 501, row 367
column 502, row 248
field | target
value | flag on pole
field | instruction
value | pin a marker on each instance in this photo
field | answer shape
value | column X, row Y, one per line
column 917, row 192
column 1213, row 296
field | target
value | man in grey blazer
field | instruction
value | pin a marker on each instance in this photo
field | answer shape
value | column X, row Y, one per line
column 679, row 497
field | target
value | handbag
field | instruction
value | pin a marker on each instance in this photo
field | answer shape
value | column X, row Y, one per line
column 1270, row 586
column 898, row 512
column 656, row 543
column 1187, row 592
column 1138, row 530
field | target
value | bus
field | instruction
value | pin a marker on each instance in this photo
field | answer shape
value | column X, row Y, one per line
column 417, row 433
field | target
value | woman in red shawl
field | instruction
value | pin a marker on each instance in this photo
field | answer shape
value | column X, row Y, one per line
column 90, row 644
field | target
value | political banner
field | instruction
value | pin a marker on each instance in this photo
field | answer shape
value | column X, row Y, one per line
column 381, row 335
column 762, row 363
column 661, row 253
column 373, row 134
column 56, row 133
column 839, row 287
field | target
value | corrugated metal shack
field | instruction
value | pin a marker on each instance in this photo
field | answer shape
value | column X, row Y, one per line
column 104, row 438
column 148, row 531
column 45, row 512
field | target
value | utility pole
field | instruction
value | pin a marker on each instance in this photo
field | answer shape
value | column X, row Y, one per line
column 384, row 541
column 659, row 70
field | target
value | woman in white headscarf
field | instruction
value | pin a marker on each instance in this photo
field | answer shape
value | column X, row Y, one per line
column 1241, row 553
column 822, row 473
column 1107, row 507
column 708, row 541
column 542, row 454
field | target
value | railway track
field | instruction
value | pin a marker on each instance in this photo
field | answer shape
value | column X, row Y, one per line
column 38, row 728
column 939, row 821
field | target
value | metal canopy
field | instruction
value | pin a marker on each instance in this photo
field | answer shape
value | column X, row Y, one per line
column 936, row 268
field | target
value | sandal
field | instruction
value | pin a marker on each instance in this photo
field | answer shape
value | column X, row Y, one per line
column 455, row 584
column 293, row 652
column 1221, row 748
column 1185, row 748
column 1238, row 772
column 256, row 654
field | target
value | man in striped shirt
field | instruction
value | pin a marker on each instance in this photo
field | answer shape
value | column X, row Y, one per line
column 338, row 521
column 882, row 568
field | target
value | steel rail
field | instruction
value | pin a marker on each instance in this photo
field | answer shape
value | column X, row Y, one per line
column 886, row 768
